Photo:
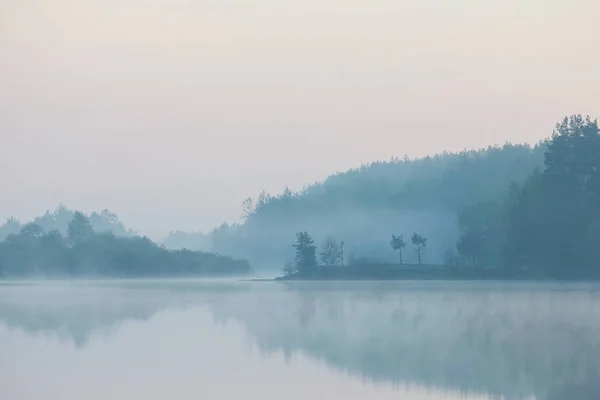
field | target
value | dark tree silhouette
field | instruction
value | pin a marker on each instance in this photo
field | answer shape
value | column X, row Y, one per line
column 79, row 229
column 398, row 243
column 305, row 251
column 420, row 242
column 550, row 222
column 32, row 229
column 554, row 216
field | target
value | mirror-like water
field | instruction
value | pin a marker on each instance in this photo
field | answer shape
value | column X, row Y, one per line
column 230, row 340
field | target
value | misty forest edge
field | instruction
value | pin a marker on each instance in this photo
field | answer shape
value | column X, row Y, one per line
column 522, row 212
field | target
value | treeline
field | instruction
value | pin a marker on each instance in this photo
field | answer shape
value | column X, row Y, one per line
column 515, row 206
column 364, row 206
column 103, row 221
column 549, row 224
column 34, row 252
column 443, row 181
column 552, row 220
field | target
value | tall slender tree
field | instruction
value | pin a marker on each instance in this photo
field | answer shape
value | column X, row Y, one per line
column 398, row 243
column 305, row 251
column 420, row 242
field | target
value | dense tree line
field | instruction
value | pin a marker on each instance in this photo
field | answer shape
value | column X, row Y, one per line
column 549, row 223
column 364, row 205
column 83, row 252
column 103, row 221
column 458, row 179
column 513, row 206
column 552, row 220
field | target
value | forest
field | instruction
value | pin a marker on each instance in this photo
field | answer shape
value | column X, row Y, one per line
column 364, row 206
column 80, row 251
column 549, row 223
column 552, row 220
column 59, row 219
column 510, row 206
column 513, row 206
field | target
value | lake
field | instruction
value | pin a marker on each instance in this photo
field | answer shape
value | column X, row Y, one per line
column 225, row 339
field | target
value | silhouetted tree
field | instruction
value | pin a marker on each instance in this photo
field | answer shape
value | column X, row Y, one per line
column 420, row 242
column 79, row 229
column 398, row 243
column 330, row 253
column 305, row 251
column 32, row 229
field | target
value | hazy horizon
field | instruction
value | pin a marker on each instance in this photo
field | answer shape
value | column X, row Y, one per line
column 236, row 215
column 171, row 113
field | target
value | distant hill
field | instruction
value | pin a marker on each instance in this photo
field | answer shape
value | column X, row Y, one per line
column 365, row 206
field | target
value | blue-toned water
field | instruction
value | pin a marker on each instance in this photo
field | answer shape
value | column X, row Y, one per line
column 261, row 340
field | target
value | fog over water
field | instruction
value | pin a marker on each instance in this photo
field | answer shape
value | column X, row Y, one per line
column 227, row 339
column 144, row 141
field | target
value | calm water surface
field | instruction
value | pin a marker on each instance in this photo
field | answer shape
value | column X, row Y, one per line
column 257, row 340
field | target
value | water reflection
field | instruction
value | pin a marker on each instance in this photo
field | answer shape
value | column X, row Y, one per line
column 511, row 340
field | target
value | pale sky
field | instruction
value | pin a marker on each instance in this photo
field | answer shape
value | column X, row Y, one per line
column 170, row 113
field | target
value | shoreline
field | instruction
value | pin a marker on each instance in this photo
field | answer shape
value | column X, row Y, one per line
column 426, row 273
